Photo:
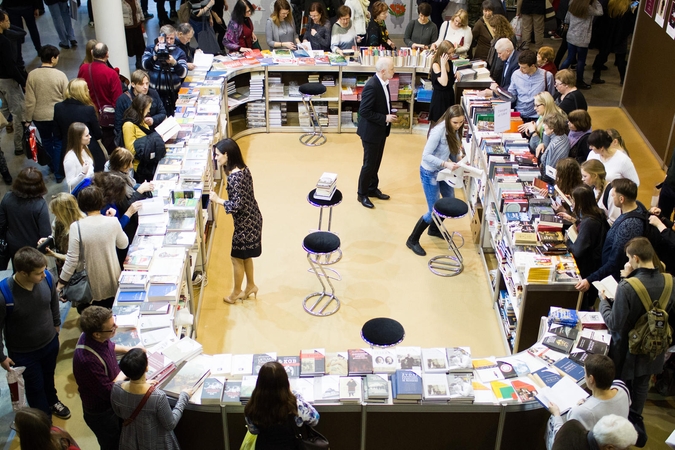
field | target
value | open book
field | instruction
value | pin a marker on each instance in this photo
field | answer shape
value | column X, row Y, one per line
column 168, row 129
column 607, row 286
column 565, row 394
column 454, row 177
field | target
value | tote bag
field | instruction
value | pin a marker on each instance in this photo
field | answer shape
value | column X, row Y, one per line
column 207, row 39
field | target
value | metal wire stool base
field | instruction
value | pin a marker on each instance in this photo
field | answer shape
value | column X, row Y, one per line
column 320, row 307
column 313, row 139
column 445, row 266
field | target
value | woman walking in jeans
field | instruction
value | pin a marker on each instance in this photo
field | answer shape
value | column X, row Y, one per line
column 580, row 18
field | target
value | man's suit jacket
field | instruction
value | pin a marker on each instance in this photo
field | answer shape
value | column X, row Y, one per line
column 373, row 126
column 513, row 66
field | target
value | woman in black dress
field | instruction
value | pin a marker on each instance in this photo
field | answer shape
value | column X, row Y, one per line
column 443, row 82
column 247, row 237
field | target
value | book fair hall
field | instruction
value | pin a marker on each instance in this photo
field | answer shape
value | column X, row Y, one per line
column 378, row 220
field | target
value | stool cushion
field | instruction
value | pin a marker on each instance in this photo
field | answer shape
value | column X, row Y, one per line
column 382, row 331
column 336, row 200
column 321, row 242
column 312, row 88
column 451, row 207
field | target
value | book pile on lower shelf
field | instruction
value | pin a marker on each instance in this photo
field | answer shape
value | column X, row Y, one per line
column 278, row 113
column 255, row 114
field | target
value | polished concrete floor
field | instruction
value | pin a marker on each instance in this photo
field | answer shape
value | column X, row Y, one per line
column 380, row 276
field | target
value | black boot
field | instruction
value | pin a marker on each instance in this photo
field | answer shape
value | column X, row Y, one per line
column 413, row 242
column 433, row 230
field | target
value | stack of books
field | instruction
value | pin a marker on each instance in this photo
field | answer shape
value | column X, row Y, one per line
column 325, row 187
column 255, row 115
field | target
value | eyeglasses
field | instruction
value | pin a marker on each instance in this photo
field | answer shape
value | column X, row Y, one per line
column 558, row 83
column 537, row 105
column 114, row 328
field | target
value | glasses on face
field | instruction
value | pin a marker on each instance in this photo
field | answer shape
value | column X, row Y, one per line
column 114, row 328
column 558, row 84
column 537, row 105
column 315, row 16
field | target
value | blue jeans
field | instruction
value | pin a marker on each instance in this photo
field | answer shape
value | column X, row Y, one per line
column 580, row 54
column 39, row 375
column 51, row 144
column 433, row 190
column 61, row 17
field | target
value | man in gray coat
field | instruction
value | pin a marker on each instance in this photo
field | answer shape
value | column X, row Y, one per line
column 623, row 314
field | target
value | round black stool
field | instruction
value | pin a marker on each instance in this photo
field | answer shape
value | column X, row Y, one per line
column 309, row 91
column 327, row 245
column 321, row 204
column 382, row 332
column 453, row 264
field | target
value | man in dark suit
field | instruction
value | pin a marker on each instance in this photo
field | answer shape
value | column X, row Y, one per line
column 374, row 126
column 509, row 56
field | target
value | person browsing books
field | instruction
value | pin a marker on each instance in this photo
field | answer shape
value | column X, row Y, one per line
column 558, row 147
column 377, row 34
column 442, row 151
column 318, row 29
column 622, row 315
column 343, row 36
column 96, row 370
column 274, row 412
column 239, row 36
column 421, row 32
column 528, row 82
column 280, row 31
column 617, row 162
column 241, row 203
column 152, row 426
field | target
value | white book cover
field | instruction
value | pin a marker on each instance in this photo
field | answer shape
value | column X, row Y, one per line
column 304, row 387
column 152, row 337
column 565, row 394
column 351, row 389
column 607, row 286
column 242, row 365
column 435, row 360
column 459, row 359
column 327, row 389
column 149, row 206
column 127, row 320
column 384, row 360
column 222, row 364
column 435, row 387
column 148, row 322
column 179, row 351
column 409, row 358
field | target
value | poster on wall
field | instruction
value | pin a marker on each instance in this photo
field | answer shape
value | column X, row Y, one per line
column 649, row 7
column 399, row 16
column 670, row 27
column 660, row 18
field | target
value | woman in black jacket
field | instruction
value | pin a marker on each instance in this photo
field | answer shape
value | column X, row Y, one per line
column 591, row 229
column 78, row 107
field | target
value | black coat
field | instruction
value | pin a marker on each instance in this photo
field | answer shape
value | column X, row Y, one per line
column 157, row 111
column 70, row 111
column 373, row 126
column 504, row 79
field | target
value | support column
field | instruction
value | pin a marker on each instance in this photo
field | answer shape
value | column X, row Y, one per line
column 110, row 30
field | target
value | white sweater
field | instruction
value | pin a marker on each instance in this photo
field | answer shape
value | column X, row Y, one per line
column 73, row 169
column 618, row 166
column 447, row 33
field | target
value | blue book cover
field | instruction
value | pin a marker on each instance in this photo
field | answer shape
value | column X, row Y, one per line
column 547, row 376
column 162, row 291
column 300, row 53
column 571, row 368
column 406, row 384
column 131, row 296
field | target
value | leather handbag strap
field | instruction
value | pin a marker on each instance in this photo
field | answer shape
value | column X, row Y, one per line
column 92, row 85
column 140, row 406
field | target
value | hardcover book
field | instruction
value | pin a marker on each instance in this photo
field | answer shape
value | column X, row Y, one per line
column 327, row 389
column 435, row 360
column 304, row 387
column 261, row 358
column 571, row 368
column 360, row 362
column 231, row 392
column 409, row 358
column 546, row 377
column 337, row 363
column 459, row 359
column 247, row 385
column 406, row 385
column 291, row 364
column 212, row 391
column 558, row 343
column 376, row 388
column 435, row 387
column 242, row 365
column 351, row 390
column 460, row 387
column 312, row 362
column 384, row 360
column 221, row 364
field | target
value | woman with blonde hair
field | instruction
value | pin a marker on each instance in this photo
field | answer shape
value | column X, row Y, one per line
column 442, row 81
column 78, row 162
column 544, row 105
column 593, row 174
column 617, row 141
column 88, row 57
column 78, row 107
column 66, row 212
column 457, row 31
column 280, row 30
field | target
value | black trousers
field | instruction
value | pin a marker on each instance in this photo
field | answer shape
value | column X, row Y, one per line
column 106, row 426
column 161, row 8
column 372, row 158
column 26, row 13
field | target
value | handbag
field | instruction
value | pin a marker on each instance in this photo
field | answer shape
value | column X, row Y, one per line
column 78, row 289
column 184, row 12
column 139, row 408
column 249, row 441
column 207, row 39
column 106, row 113
column 562, row 30
column 310, row 439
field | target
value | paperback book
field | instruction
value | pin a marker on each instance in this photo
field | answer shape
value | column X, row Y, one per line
column 291, row 364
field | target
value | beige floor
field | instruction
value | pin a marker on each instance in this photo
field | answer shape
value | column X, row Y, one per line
column 380, row 276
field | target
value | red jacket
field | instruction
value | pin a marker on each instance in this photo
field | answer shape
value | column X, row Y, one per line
column 105, row 86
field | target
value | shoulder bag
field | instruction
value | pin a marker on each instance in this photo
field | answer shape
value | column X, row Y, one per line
column 78, row 290
column 106, row 113
column 207, row 37
column 308, row 438
column 139, row 408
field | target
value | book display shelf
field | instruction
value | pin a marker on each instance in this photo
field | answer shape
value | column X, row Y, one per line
column 524, row 283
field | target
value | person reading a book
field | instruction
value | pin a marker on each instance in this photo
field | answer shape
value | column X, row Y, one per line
column 442, row 151
column 239, row 36
column 544, row 105
column 343, row 36
column 625, row 228
column 148, row 420
column 421, row 32
column 612, row 432
column 318, row 28
column 241, row 203
column 95, row 370
column 623, row 313
column 280, row 30
column 275, row 412
column 93, row 241
column 137, row 132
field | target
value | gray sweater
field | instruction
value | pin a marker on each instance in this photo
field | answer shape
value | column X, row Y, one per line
column 416, row 33
column 101, row 235
column 621, row 317
column 31, row 324
column 580, row 29
column 285, row 32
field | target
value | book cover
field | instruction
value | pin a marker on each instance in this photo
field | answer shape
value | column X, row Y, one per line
column 503, row 391
column 435, row 387
column 487, row 370
column 126, row 337
column 546, row 377
column 247, row 385
column 376, row 387
column 212, row 391
column 351, row 389
column 125, row 310
column 524, row 390
column 181, row 350
column 242, row 365
column 291, row 364
column 327, row 389
column 407, row 385
column 190, row 376
column 384, row 360
column 149, row 322
column 312, row 362
column 150, row 308
column 131, row 296
column 152, row 337
column 558, row 343
column 565, row 394
column 221, row 364
column 435, row 360
column 261, row 358
column 507, row 369
column 360, row 362
column 337, row 363
column 460, row 386
column 231, row 392
column 409, row 358
column 571, row 368
column 563, row 331
column 162, row 292
column 459, row 359
column 304, row 387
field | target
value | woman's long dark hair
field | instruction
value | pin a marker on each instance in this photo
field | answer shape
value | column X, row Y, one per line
column 272, row 400
column 239, row 11
column 34, row 430
column 585, row 204
column 568, row 175
column 134, row 113
column 454, row 142
column 234, row 158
